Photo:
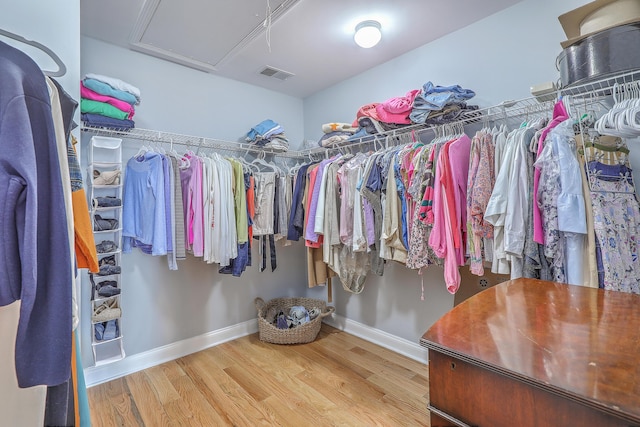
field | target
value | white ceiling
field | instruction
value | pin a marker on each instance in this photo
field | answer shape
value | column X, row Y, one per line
column 312, row 39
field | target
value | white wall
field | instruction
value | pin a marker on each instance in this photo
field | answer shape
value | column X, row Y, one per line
column 187, row 101
column 57, row 26
column 499, row 57
column 159, row 306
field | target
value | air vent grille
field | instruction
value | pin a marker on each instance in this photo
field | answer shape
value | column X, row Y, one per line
column 276, row 73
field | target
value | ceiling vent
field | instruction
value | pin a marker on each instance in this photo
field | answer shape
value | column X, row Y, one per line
column 275, row 73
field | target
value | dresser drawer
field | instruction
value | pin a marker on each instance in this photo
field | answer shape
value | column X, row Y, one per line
column 476, row 396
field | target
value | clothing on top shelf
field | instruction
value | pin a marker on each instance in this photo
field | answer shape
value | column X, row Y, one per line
column 108, row 102
column 268, row 134
column 117, row 84
column 97, row 120
column 397, row 110
column 430, row 105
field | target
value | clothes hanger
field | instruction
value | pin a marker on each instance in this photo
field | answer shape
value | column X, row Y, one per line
column 143, row 149
column 249, row 166
column 173, row 151
column 62, row 69
column 261, row 161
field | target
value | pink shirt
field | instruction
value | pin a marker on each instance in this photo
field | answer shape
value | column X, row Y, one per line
column 120, row 105
column 437, row 238
column 559, row 116
column 193, row 209
column 459, row 153
column 442, row 235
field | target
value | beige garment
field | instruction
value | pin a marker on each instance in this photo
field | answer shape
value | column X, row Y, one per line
column 331, row 229
column 317, row 271
column 18, row 406
column 391, row 247
column 589, row 264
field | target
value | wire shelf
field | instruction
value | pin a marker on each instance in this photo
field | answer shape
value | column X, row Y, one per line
column 588, row 92
column 601, row 87
column 193, row 142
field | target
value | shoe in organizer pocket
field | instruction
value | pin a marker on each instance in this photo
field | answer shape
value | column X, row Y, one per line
column 104, row 224
column 108, row 288
column 107, row 270
column 107, row 330
column 108, row 260
column 106, row 177
column 106, row 202
column 106, row 311
column 106, row 246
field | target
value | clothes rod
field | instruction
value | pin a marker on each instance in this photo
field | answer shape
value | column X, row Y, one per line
column 587, row 94
column 196, row 142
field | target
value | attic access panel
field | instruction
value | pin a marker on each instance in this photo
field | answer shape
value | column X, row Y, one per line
column 201, row 33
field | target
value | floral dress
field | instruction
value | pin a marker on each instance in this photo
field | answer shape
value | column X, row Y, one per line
column 547, row 199
column 420, row 253
column 616, row 216
column 479, row 187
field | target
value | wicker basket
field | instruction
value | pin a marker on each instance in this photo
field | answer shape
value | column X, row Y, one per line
column 300, row 334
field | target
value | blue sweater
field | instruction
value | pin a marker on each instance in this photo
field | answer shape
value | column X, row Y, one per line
column 144, row 212
column 34, row 247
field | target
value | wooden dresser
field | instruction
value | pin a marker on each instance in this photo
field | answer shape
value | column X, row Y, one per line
column 533, row 353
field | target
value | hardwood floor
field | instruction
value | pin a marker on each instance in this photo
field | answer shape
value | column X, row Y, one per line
column 337, row 380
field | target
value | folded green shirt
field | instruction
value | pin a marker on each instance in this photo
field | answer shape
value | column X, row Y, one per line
column 97, row 107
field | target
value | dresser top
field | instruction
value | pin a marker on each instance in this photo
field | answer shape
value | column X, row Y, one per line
column 578, row 342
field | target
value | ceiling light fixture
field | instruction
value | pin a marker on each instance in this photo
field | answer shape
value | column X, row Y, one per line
column 367, row 34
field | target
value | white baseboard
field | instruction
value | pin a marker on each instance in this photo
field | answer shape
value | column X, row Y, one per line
column 99, row 374
column 399, row 345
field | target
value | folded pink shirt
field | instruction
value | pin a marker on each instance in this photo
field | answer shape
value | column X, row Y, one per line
column 87, row 93
column 367, row 110
column 397, row 110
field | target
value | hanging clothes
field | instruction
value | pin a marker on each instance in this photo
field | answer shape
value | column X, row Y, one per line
column 370, row 188
column 353, row 265
column 33, row 179
column 617, row 226
column 480, row 183
column 559, row 115
column 144, row 222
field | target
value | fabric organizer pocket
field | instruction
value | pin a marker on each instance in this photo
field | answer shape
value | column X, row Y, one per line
column 107, row 202
column 106, row 175
column 106, row 311
column 104, row 224
column 106, row 331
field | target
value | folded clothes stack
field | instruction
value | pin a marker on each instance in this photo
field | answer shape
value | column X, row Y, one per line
column 430, row 105
column 436, row 105
column 108, row 102
column 268, row 134
column 336, row 133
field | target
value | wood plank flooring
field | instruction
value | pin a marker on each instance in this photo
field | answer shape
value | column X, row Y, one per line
column 337, row 380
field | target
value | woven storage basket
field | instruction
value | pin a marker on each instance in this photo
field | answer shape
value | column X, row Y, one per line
column 297, row 335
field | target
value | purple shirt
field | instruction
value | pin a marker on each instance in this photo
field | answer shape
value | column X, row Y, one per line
column 370, row 232
column 311, row 235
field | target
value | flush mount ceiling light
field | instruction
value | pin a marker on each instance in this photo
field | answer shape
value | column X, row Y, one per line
column 367, row 34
